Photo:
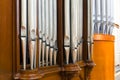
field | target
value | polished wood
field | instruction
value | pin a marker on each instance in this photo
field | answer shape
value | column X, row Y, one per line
column 85, row 30
column 89, row 64
column 6, row 39
column 103, row 56
column 60, row 32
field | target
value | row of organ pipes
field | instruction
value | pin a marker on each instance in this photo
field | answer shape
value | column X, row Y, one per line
column 39, row 29
column 73, row 30
column 39, row 21
column 103, row 16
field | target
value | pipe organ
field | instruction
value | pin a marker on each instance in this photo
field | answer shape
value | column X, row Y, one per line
column 39, row 26
column 39, row 32
column 54, row 39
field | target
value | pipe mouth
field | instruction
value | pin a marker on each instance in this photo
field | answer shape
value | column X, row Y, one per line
column 103, row 37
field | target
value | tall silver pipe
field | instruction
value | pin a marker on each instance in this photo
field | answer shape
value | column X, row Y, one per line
column 101, row 10
column 103, row 14
column 109, row 9
column 80, row 12
column 55, row 30
column 94, row 9
column 40, row 29
column 112, row 10
column 108, row 16
column 67, row 30
column 32, row 27
column 78, row 28
column 97, row 16
column 51, row 32
column 111, row 17
column 74, row 36
column 47, row 30
column 43, row 19
column 106, row 4
column 90, row 29
column 43, row 31
column 24, row 30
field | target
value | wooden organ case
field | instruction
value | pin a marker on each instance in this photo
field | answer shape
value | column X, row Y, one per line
column 45, row 40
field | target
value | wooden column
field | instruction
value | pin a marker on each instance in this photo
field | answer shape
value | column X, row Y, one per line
column 7, row 26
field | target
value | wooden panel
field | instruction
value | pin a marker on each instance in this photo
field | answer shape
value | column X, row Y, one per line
column 103, row 55
column 55, row 76
column 5, row 39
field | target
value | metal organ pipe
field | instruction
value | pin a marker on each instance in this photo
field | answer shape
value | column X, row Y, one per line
column 32, row 28
column 42, row 15
column 107, row 16
column 97, row 16
column 104, row 15
column 55, row 30
column 79, row 25
column 47, row 31
column 73, row 30
column 105, row 12
column 51, row 32
column 40, row 29
column 78, row 29
column 43, row 32
column 24, row 30
column 90, row 29
column 74, row 36
column 67, row 30
column 111, row 17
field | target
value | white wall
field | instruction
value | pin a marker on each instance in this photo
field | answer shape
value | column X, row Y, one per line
column 116, row 31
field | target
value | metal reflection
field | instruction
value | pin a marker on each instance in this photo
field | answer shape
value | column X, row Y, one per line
column 67, row 30
column 40, row 29
column 24, row 30
column 73, row 30
column 47, row 32
column 32, row 28
column 103, row 23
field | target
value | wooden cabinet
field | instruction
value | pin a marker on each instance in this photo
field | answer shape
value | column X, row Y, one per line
column 10, row 62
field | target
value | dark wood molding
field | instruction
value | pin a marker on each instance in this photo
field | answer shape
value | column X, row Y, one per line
column 60, row 32
column 88, row 64
column 37, row 73
column 85, row 30
column 28, row 74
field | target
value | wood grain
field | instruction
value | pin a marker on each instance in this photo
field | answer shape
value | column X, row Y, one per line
column 103, row 56
column 6, row 39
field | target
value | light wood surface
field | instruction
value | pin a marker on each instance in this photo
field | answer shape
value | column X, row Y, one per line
column 103, row 56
